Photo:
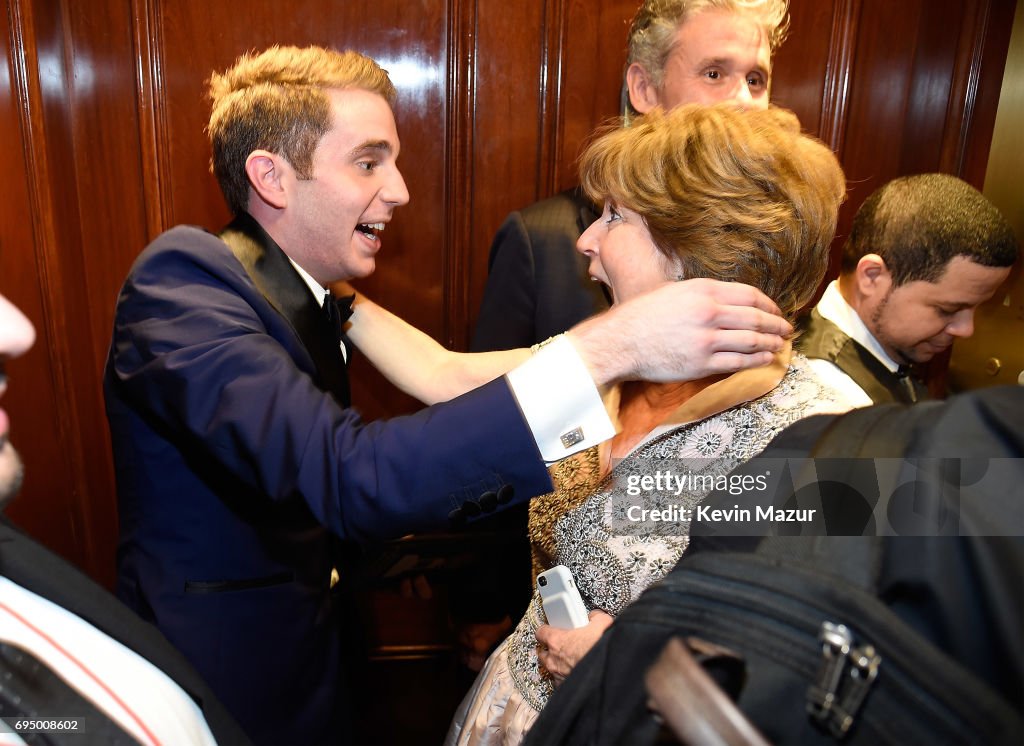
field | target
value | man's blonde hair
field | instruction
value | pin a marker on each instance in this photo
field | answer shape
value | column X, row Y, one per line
column 276, row 101
column 728, row 194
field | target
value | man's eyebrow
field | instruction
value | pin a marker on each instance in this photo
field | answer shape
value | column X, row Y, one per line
column 726, row 62
column 371, row 146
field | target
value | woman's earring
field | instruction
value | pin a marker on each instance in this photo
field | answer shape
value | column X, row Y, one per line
column 679, row 276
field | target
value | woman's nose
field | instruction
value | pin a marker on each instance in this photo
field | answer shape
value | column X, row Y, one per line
column 588, row 243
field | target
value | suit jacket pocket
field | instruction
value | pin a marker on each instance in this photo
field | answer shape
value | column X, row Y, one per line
column 246, row 584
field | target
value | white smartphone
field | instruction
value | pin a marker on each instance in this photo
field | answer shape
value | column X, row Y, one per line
column 562, row 603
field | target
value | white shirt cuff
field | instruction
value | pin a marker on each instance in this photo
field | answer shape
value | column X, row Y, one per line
column 560, row 402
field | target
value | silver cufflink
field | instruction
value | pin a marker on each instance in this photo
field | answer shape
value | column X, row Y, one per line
column 572, row 437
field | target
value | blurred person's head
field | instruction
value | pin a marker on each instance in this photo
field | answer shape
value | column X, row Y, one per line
column 305, row 141
column 924, row 252
column 16, row 336
column 713, row 192
column 703, row 52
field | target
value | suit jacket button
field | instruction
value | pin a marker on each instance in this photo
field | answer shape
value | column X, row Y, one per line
column 457, row 517
column 505, row 494
column 471, row 509
column 489, row 501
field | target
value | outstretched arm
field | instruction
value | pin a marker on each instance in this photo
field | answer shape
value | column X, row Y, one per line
column 414, row 361
column 682, row 331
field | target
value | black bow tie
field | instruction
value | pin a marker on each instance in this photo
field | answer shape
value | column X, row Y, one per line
column 338, row 311
column 903, row 374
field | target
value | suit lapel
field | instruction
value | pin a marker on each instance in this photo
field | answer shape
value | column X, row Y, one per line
column 287, row 292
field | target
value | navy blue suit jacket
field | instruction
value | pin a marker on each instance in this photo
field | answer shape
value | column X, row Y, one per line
column 235, row 465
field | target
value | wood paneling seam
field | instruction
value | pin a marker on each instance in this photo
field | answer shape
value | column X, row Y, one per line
column 840, row 62
column 28, row 94
column 152, row 105
column 459, row 180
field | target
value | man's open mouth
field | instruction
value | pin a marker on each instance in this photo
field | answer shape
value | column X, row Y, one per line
column 370, row 229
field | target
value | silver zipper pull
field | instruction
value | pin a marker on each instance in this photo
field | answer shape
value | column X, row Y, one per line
column 836, row 640
column 864, row 663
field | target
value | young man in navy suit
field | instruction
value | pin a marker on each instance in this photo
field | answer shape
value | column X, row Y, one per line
column 239, row 461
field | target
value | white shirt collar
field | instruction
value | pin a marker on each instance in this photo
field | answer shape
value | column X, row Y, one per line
column 833, row 306
column 318, row 291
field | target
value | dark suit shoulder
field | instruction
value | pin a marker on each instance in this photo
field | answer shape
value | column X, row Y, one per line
column 538, row 284
column 187, row 246
column 567, row 214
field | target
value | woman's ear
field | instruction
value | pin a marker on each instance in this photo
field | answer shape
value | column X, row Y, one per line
column 642, row 93
column 267, row 174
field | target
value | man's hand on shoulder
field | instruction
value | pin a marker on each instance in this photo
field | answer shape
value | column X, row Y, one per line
column 682, row 331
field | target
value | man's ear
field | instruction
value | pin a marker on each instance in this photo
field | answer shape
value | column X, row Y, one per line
column 267, row 174
column 642, row 93
column 872, row 276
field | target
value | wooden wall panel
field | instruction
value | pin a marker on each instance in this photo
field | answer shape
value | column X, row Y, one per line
column 975, row 97
column 547, row 74
column 69, row 498
column 593, row 58
column 811, row 73
column 101, row 94
column 901, row 96
column 30, row 400
column 509, row 69
column 895, row 88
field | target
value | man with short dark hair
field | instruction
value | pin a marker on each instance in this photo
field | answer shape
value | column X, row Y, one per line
column 923, row 253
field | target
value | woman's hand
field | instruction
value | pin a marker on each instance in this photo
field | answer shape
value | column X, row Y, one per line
column 559, row 650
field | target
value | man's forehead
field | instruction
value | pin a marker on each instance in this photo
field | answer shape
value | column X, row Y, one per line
column 349, row 101
column 363, row 119
column 963, row 281
column 721, row 36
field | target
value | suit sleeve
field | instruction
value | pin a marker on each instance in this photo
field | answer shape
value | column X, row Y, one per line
column 506, row 319
column 202, row 359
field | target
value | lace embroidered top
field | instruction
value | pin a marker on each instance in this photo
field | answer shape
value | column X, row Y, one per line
column 613, row 567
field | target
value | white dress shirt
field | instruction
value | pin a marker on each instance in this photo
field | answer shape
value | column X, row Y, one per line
column 834, row 308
